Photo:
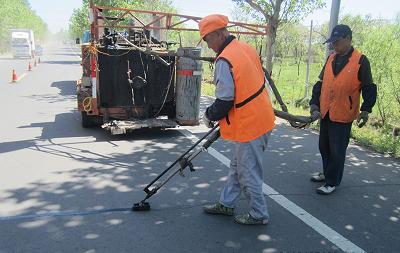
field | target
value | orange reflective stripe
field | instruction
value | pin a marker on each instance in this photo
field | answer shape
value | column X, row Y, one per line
column 185, row 72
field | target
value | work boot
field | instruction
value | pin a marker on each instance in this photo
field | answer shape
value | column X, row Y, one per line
column 318, row 177
column 218, row 208
column 246, row 219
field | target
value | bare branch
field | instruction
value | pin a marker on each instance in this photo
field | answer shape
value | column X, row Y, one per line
column 286, row 10
column 257, row 7
column 272, row 4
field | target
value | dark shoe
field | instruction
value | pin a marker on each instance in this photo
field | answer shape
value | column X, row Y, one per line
column 218, row 208
column 318, row 178
column 246, row 219
column 326, row 189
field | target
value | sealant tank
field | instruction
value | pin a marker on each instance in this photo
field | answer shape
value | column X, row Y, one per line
column 188, row 87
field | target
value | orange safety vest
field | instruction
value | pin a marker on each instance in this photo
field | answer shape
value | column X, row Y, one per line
column 340, row 94
column 252, row 114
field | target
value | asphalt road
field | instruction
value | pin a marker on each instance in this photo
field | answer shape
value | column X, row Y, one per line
column 68, row 189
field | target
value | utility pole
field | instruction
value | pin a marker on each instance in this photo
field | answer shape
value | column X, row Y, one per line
column 308, row 62
column 332, row 23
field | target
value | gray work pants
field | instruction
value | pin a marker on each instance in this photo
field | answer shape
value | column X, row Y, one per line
column 246, row 175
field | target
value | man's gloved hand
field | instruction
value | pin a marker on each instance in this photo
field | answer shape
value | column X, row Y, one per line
column 207, row 122
column 362, row 119
column 314, row 112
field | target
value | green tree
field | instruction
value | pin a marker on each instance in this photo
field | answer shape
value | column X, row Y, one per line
column 18, row 14
column 79, row 21
column 275, row 12
column 383, row 50
column 379, row 40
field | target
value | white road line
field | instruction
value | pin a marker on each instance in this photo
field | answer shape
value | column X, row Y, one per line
column 327, row 232
column 21, row 76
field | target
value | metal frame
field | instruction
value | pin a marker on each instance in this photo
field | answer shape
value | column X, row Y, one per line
column 169, row 21
column 172, row 22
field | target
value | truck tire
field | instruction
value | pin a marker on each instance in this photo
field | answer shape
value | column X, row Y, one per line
column 89, row 121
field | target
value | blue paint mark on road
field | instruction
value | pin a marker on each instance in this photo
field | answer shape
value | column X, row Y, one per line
column 62, row 214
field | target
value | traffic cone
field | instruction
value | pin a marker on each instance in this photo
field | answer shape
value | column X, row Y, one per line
column 30, row 67
column 14, row 76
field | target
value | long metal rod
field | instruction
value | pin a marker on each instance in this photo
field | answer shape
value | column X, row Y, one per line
column 143, row 50
column 292, row 118
column 187, row 162
column 190, row 158
column 169, row 28
column 168, row 54
column 146, row 189
column 254, row 29
column 275, row 91
column 158, row 55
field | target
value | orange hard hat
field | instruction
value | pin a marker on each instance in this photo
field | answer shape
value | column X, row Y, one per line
column 212, row 23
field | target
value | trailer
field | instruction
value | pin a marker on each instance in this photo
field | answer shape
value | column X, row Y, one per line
column 131, row 78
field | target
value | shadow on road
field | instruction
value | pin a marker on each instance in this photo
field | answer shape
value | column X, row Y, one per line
column 16, row 59
column 109, row 176
column 67, row 91
column 61, row 62
column 67, row 54
column 67, row 88
column 109, row 180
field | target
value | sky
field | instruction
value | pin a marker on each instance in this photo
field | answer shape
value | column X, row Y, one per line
column 57, row 13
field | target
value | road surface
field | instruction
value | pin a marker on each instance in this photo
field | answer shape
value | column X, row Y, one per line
column 64, row 188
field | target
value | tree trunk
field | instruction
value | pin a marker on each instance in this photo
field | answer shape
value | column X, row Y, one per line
column 271, row 36
column 273, row 22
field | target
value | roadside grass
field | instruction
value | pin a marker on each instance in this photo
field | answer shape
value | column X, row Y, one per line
column 379, row 140
column 207, row 89
column 292, row 88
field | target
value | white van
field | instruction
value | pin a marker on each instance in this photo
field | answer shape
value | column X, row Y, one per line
column 22, row 43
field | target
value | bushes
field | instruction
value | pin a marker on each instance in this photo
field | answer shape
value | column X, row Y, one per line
column 380, row 42
column 380, row 140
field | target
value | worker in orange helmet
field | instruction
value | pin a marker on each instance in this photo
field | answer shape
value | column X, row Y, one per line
column 245, row 116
